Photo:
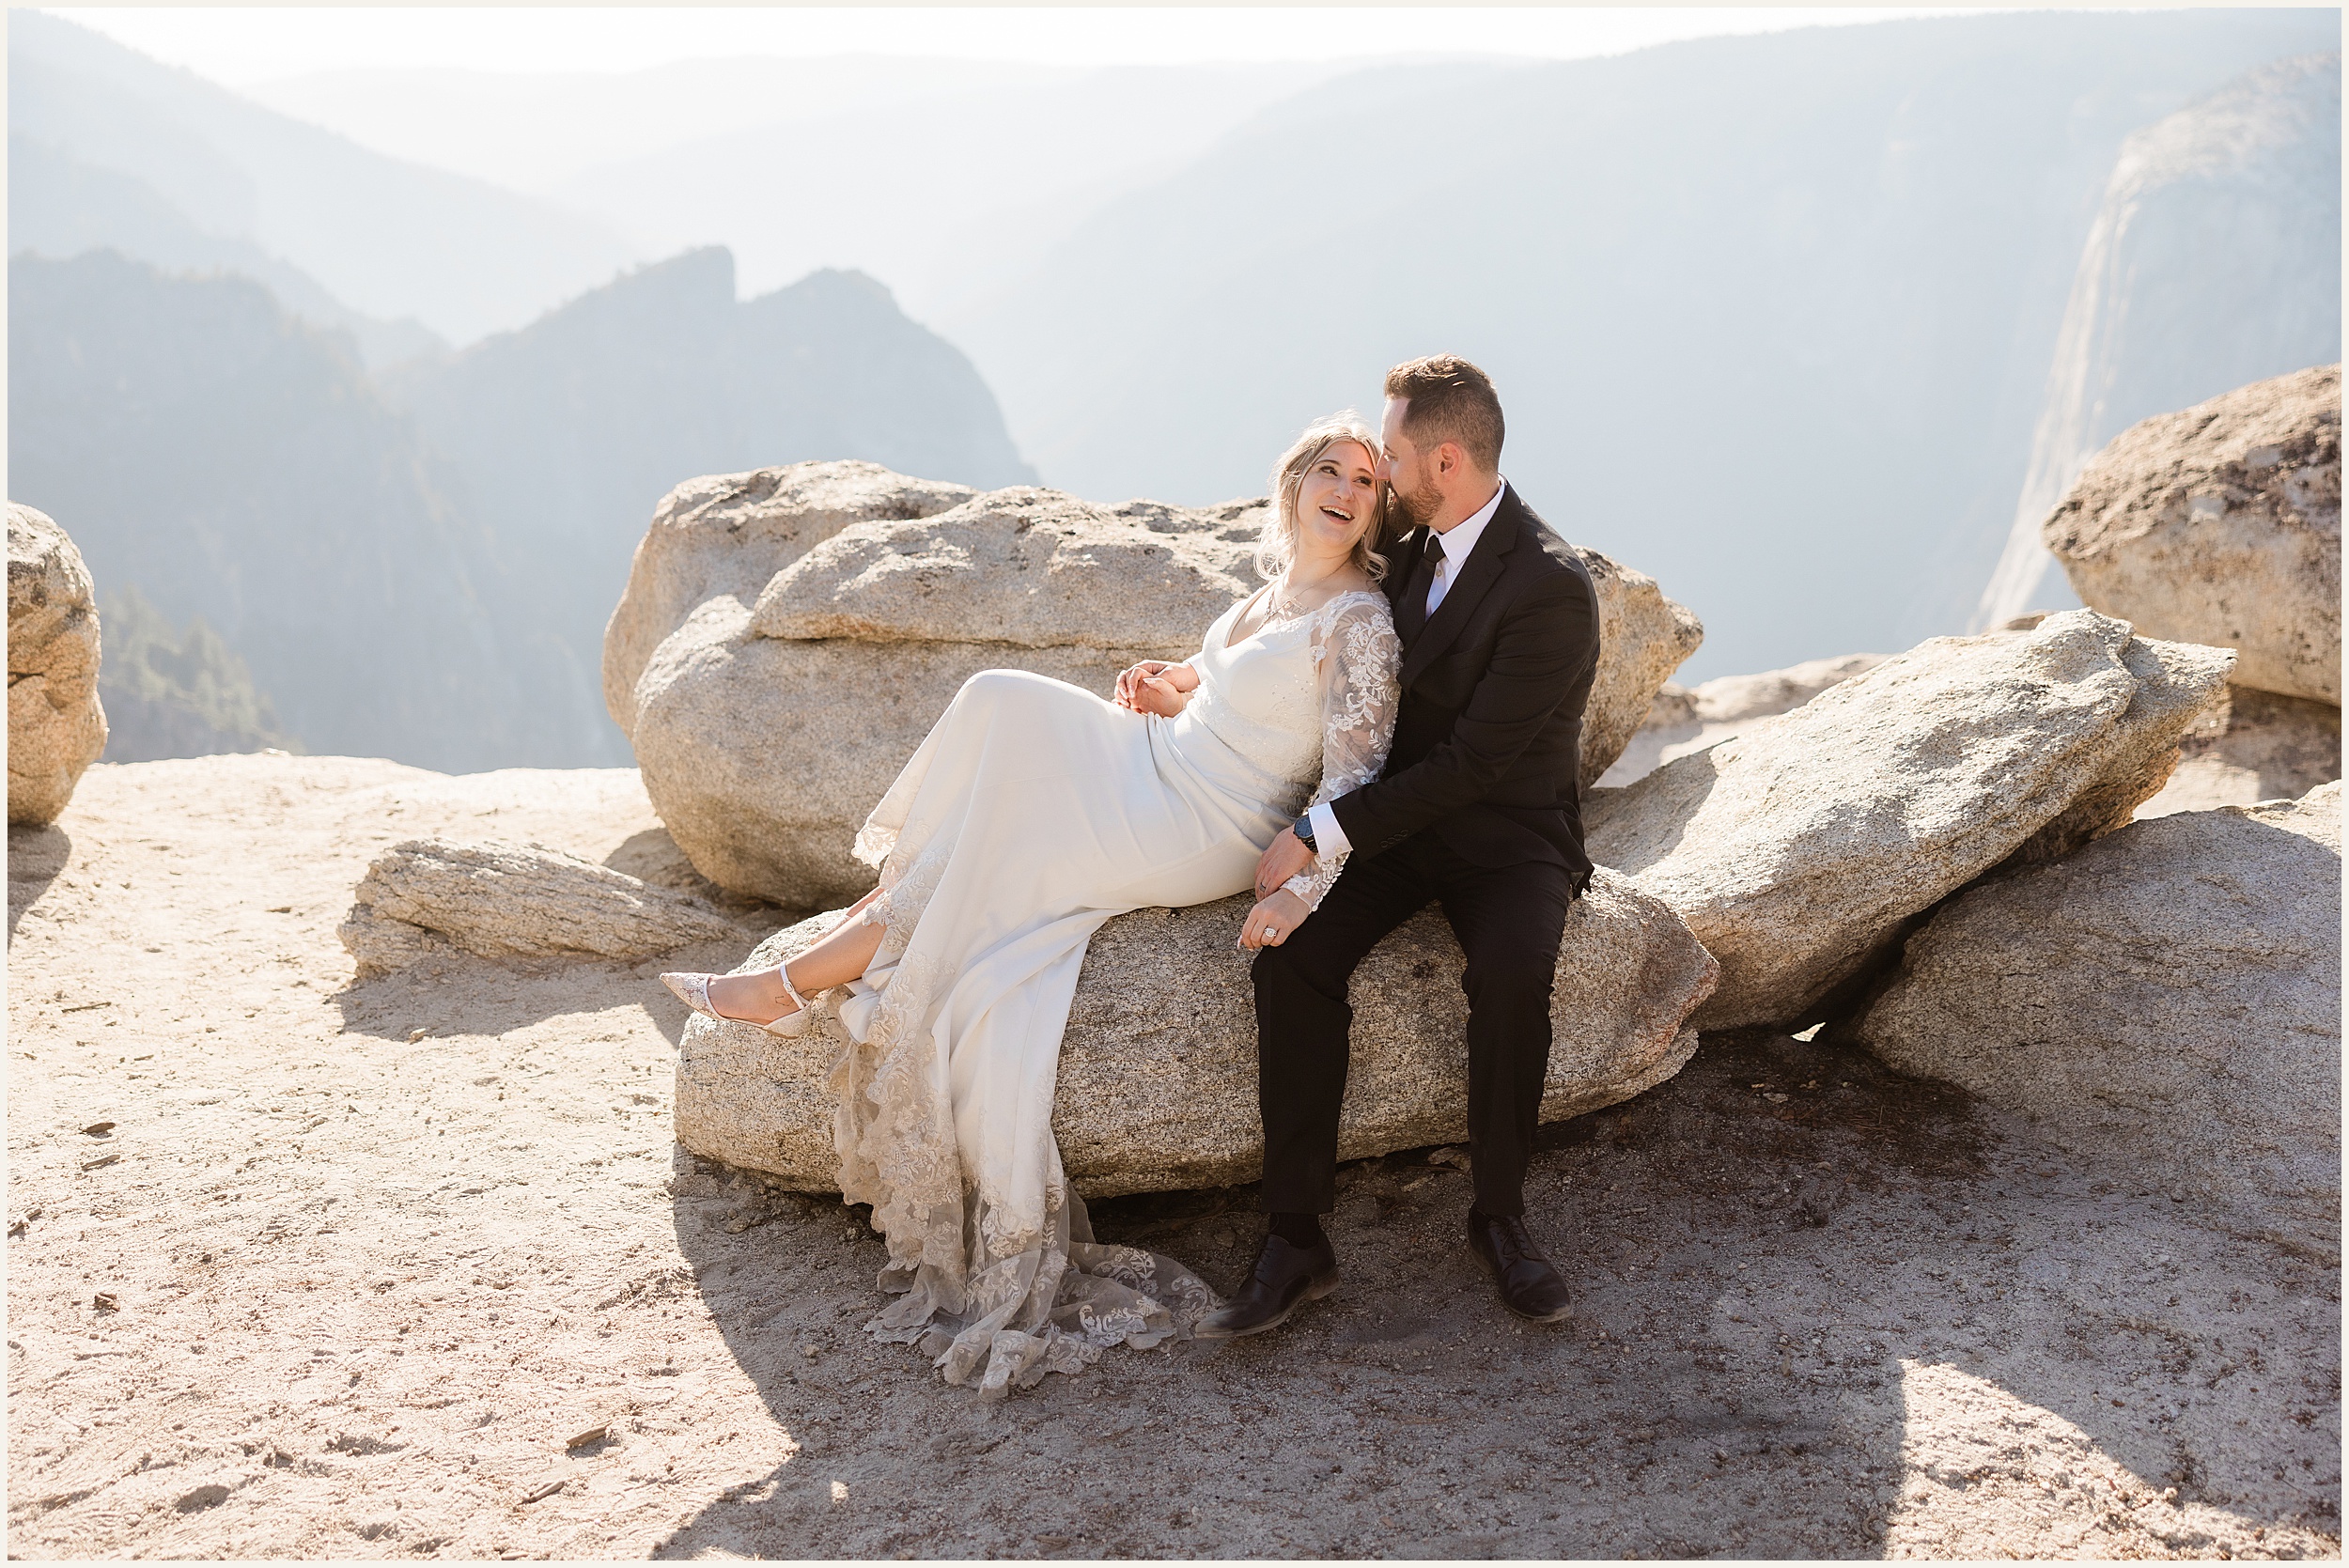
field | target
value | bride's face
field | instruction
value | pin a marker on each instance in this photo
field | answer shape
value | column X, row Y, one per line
column 1337, row 500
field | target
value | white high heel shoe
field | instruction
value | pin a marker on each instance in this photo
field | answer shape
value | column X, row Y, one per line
column 693, row 990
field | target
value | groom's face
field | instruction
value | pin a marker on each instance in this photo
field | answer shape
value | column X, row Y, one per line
column 1412, row 497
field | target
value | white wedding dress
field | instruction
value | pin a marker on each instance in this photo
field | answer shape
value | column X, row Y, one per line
column 1033, row 812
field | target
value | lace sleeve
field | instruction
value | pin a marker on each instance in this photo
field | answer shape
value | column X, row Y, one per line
column 1359, row 660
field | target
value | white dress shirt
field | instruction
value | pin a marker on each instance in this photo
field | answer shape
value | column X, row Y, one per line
column 1458, row 540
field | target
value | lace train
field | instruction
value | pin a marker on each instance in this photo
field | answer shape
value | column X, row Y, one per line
column 993, row 1302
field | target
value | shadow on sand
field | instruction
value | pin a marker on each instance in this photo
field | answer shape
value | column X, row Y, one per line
column 36, row 856
column 1779, row 1255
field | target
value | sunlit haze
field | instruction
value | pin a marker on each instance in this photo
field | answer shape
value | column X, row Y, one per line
column 246, row 45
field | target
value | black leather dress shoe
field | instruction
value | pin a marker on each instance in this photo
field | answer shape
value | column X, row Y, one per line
column 1529, row 1287
column 1285, row 1278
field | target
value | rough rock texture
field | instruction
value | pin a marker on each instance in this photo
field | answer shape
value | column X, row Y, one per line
column 1158, row 1069
column 1028, row 567
column 763, row 754
column 2221, row 524
column 56, row 725
column 513, row 901
column 1796, row 850
column 2167, row 998
column 1644, row 637
column 1682, row 719
column 2262, row 748
column 726, row 536
column 2181, row 693
column 788, row 637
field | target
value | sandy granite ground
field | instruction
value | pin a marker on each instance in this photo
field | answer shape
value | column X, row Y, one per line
column 350, row 1268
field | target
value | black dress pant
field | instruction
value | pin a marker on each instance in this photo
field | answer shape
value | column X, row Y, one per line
column 1509, row 920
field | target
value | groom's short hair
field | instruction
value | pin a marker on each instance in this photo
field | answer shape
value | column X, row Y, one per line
column 1450, row 400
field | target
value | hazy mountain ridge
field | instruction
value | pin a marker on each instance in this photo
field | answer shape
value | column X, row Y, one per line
column 1772, row 315
column 568, row 431
column 230, row 463
column 59, row 207
column 386, row 238
column 941, row 193
column 173, row 694
column 424, row 572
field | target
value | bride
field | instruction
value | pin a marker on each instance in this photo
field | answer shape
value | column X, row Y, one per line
column 1033, row 813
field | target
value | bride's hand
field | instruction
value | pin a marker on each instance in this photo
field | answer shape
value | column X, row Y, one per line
column 1157, row 694
column 1275, row 920
column 1151, row 687
column 1129, row 681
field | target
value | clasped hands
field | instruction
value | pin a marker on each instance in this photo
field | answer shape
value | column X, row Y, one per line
column 1156, row 687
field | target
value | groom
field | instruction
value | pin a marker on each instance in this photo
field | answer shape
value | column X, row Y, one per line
column 1479, row 810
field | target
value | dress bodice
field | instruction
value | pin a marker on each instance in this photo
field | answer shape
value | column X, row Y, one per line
column 1260, row 696
column 1308, row 700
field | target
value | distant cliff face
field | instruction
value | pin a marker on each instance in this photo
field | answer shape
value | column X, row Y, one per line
column 566, row 435
column 172, row 693
column 1772, row 316
column 232, row 465
column 424, row 571
column 2214, row 261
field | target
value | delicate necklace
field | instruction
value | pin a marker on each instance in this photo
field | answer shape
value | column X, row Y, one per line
column 1278, row 605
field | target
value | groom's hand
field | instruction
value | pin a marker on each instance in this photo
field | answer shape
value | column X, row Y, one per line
column 1282, row 858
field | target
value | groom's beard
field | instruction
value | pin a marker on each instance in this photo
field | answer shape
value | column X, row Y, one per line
column 1414, row 508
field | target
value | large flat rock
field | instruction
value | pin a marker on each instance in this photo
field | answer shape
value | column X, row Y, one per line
column 788, row 638
column 513, row 903
column 1158, row 1069
column 2168, row 1000
column 2221, row 524
column 1798, row 850
column 1685, row 720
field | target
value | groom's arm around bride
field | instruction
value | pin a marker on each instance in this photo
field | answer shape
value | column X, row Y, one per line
column 1479, row 809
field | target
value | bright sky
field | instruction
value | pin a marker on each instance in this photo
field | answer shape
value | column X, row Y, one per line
column 246, row 45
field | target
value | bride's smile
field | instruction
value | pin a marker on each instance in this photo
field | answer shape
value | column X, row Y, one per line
column 1337, row 500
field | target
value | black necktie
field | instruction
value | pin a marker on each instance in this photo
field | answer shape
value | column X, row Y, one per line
column 1414, row 606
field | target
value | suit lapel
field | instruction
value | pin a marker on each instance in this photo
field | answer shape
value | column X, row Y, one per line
column 1477, row 575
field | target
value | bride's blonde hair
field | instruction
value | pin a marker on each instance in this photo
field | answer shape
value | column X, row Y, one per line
column 1275, row 552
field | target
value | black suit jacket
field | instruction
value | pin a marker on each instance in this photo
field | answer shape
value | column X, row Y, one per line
column 1488, row 741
